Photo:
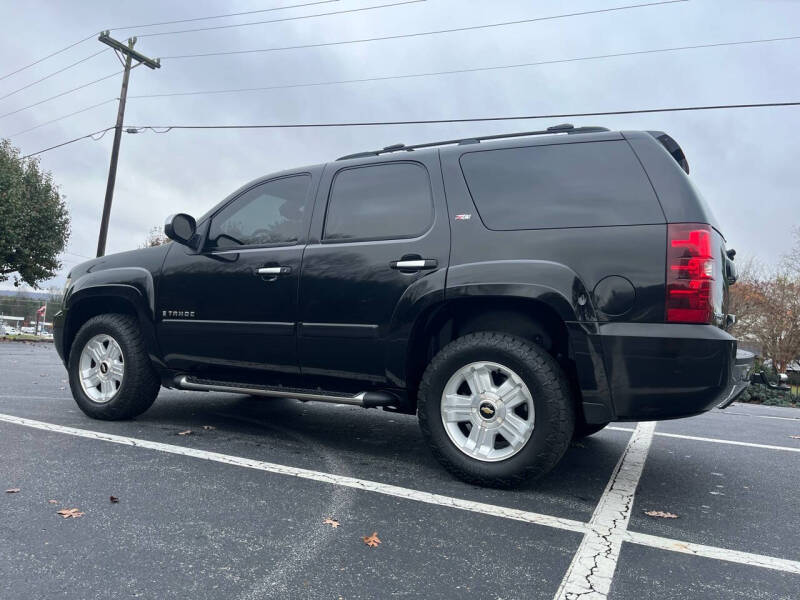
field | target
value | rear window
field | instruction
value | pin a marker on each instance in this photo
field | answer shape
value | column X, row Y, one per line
column 562, row 185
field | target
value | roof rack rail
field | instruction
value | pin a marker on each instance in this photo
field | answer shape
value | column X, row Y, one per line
column 567, row 128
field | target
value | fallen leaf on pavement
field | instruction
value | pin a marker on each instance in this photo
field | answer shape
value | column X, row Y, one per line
column 332, row 522
column 53, row 501
column 113, row 499
column 660, row 514
column 795, row 437
column 12, row 491
column 681, row 546
column 187, row 432
column 372, row 540
column 70, row 513
column 208, row 427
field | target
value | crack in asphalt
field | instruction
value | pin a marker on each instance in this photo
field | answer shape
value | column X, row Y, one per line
column 592, row 569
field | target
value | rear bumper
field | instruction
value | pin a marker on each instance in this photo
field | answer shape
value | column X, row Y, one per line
column 666, row 371
column 740, row 376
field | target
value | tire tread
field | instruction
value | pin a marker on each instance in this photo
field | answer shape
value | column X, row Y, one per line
column 557, row 395
column 141, row 384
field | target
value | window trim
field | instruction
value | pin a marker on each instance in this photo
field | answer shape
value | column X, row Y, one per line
column 432, row 221
column 297, row 242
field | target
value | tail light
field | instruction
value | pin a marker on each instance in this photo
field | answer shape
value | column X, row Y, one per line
column 690, row 273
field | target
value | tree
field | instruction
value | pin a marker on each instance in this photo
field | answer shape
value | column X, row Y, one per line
column 767, row 307
column 155, row 237
column 34, row 221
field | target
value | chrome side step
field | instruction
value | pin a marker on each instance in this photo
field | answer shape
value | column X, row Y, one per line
column 363, row 399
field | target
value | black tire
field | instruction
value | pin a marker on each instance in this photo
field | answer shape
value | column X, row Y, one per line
column 140, row 383
column 583, row 429
column 552, row 401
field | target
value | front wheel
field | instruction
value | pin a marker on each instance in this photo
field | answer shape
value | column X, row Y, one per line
column 496, row 409
column 110, row 373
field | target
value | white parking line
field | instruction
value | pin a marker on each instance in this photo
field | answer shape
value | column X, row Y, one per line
column 714, row 440
column 352, row 482
column 18, row 397
column 426, row 497
column 592, row 569
column 738, row 414
column 735, row 556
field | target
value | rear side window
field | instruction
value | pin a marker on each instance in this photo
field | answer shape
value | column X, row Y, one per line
column 384, row 201
column 562, row 185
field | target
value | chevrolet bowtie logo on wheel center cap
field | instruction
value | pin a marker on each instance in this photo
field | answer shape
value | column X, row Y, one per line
column 487, row 410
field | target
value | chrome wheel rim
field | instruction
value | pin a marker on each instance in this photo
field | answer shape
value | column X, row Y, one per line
column 102, row 368
column 487, row 411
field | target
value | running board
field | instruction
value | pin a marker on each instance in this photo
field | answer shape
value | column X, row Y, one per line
column 363, row 399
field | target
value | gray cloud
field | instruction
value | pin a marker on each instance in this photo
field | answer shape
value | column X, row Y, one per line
column 742, row 160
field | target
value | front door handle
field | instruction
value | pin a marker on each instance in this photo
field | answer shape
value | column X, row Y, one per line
column 274, row 271
column 416, row 264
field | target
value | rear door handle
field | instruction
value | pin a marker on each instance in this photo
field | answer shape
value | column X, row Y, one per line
column 274, row 270
column 415, row 264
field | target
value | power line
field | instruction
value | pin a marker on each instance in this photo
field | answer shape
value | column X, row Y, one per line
column 236, row 14
column 36, row 62
column 474, row 27
column 419, row 34
column 75, row 89
column 469, row 70
column 428, row 74
column 78, row 255
column 82, row 110
column 326, row 14
column 467, row 120
column 83, row 137
column 80, row 41
column 167, row 128
column 25, row 87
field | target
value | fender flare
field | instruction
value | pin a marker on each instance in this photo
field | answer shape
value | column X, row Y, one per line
column 564, row 292
column 134, row 285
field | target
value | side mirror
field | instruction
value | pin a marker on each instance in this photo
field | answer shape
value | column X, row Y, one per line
column 180, row 228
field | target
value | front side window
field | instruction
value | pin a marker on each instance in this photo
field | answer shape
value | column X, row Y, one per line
column 378, row 202
column 270, row 213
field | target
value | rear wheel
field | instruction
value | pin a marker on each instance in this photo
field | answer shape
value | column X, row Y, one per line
column 496, row 409
column 110, row 373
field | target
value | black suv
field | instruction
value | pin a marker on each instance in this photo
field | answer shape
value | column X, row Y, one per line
column 514, row 291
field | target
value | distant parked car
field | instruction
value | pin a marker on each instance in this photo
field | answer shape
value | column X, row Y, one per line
column 29, row 330
column 12, row 331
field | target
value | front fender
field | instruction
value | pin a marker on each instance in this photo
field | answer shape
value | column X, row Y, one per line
column 133, row 285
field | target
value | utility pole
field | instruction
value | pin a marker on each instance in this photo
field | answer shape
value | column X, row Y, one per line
column 130, row 55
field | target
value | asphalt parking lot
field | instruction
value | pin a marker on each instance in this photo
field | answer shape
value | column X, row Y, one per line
column 235, row 508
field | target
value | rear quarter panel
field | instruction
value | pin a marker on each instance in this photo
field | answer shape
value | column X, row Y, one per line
column 563, row 268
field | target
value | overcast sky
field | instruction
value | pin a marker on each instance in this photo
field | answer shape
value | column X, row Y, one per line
column 744, row 161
